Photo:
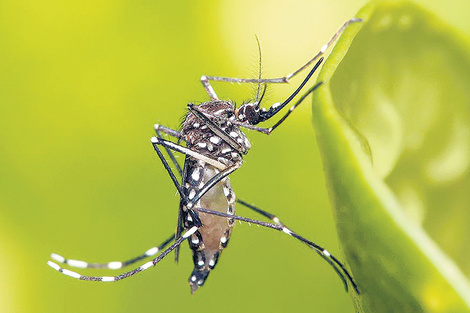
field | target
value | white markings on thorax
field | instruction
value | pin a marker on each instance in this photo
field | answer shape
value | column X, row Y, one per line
column 219, row 112
column 226, row 150
column 215, row 140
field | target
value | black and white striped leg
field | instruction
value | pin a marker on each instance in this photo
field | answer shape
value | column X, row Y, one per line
column 128, row 274
column 272, row 217
column 205, row 80
column 276, row 220
column 114, row 265
column 327, row 256
column 176, row 134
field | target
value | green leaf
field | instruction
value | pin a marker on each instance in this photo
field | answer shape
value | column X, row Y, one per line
column 392, row 122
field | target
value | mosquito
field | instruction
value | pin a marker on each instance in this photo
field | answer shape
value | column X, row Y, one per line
column 213, row 144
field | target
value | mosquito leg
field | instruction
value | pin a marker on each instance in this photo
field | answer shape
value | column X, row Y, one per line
column 115, row 264
column 327, row 256
column 324, row 48
column 168, row 144
column 168, row 131
column 272, row 217
column 208, row 87
column 139, row 269
column 276, row 220
column 176, row 134
column 155, row 142
column 285, row 79
column 173, row 133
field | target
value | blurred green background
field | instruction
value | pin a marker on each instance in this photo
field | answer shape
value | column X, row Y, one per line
column 82, row 85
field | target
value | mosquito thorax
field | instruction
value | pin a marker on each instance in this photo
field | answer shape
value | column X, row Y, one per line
column 227, row 144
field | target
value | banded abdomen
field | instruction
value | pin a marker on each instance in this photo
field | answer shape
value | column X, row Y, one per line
column 209, row 241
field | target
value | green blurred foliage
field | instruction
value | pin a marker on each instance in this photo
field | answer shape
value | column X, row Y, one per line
column 82, row 83
column 393, row 126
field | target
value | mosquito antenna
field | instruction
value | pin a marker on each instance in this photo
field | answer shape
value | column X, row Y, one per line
column 260, row 69
column 262, row 95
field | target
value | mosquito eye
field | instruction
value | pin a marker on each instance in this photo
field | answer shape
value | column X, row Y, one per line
column 251, row 114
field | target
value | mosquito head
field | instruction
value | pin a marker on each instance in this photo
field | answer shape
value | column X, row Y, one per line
column 250, row 112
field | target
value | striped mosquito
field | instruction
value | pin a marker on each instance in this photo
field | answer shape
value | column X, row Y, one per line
column 213, row 146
